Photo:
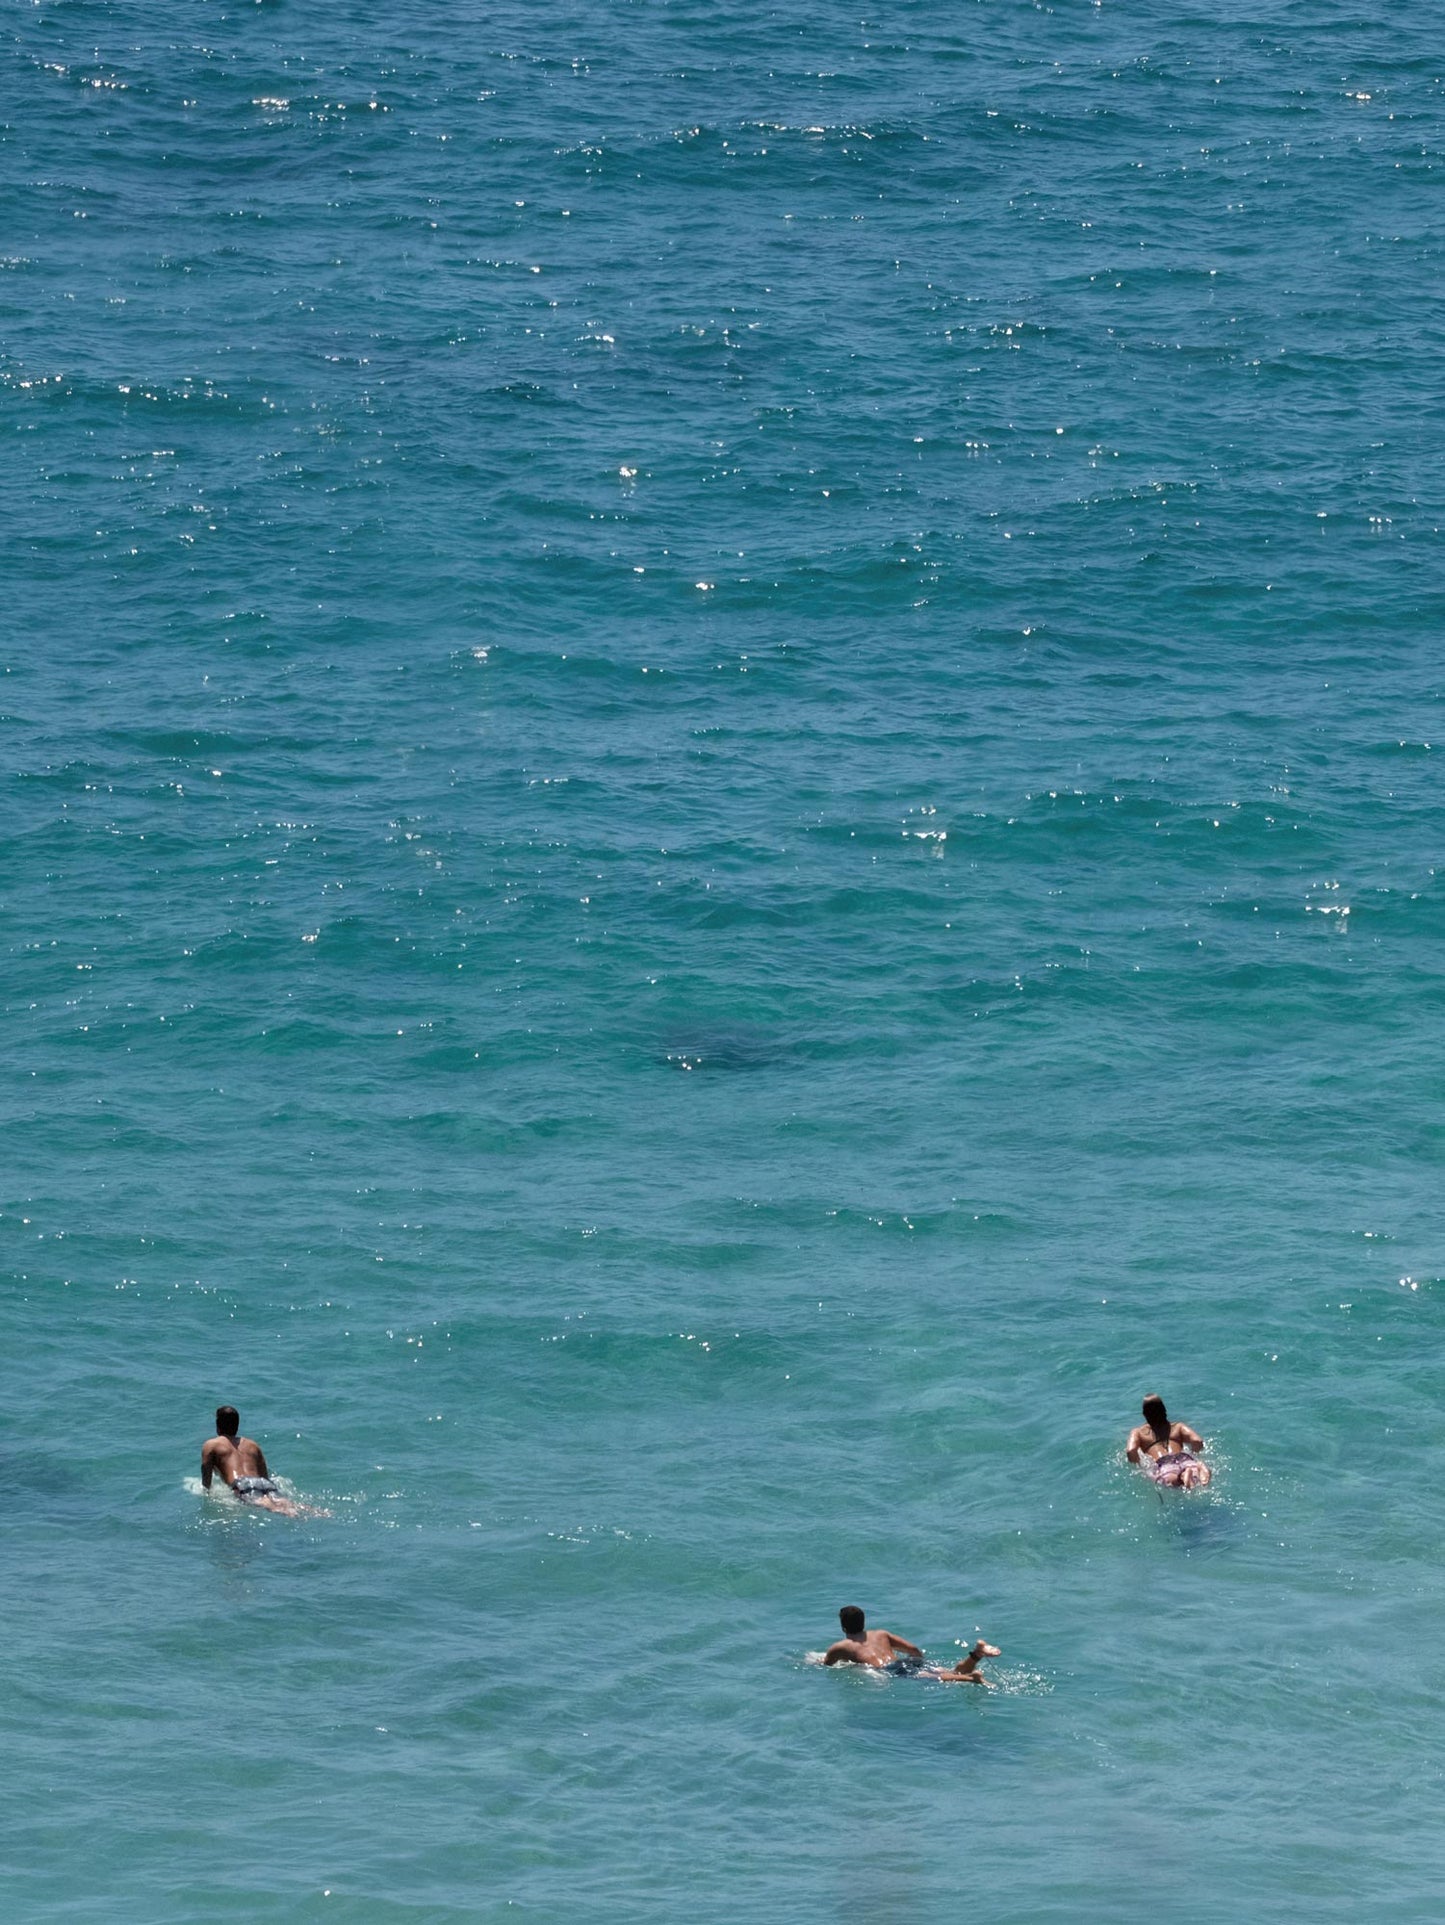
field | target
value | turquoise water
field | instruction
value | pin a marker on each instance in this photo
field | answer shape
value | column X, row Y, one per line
column 720, row 815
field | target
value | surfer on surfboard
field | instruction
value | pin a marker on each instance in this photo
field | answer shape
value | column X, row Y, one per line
column 241, row 1463
column 886, row 1651
column 1167, row 1452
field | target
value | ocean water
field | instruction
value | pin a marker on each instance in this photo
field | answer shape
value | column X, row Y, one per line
column 720, row 813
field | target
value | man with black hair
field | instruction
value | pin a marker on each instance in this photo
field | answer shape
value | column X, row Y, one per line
column 240, row 1462
column 885, row 1651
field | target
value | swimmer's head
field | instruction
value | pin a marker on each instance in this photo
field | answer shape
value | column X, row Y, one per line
column 852, row 1621
column 228, row 1420
column 1155, row 1415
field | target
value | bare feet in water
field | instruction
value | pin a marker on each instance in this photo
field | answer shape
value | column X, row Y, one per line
column 966, row 1671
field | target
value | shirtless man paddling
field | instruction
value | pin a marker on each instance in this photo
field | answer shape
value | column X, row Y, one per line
column 885, row 1651
column 1166, row 1451
column 240, row 1462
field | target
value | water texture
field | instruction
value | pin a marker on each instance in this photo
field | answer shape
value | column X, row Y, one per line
column 719, row 814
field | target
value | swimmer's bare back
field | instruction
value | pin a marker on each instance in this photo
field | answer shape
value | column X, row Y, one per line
column 231, row 1457
column 873, row 1650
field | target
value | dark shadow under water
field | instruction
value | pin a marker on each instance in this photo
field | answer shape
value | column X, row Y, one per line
column 1197, row 1521
column 736, row 1048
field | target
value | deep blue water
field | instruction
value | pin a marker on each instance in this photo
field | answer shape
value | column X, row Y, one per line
column 719, row 815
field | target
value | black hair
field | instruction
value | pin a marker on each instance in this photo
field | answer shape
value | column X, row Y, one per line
column 852, row 1620
column 228, row 1420
column 1156, row 1416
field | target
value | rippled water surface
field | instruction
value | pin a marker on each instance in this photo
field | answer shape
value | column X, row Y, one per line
column 720, row 814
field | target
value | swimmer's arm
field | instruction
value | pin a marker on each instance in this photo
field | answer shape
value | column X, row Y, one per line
column 902, row 1644
column 208, row 1467
column 841, row 1653
column 261, row 1459
column 1189, row 1437
column 1131, row 1449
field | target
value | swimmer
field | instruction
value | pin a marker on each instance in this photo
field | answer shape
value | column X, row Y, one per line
column 1167, row 1452
column 877, row 1650
column 241, row 1463
column 885, row 1651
